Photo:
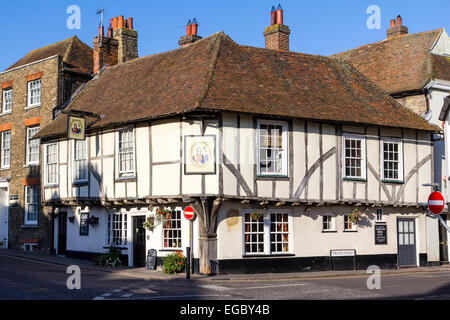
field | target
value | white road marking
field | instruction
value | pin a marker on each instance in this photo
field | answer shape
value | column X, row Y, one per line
column 214, row 287
column 278, row 286
column 176, row 297
column 99, row 298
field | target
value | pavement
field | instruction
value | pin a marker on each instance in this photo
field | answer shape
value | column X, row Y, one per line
column 159, row 275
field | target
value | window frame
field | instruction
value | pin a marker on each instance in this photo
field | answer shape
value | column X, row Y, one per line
column 399, row 141
column 129, row 174
column 26, row 220
column 27, row 153
column 4, row 92
column 333, row 223
column 267, row 233
column 354, row 225
column 379, row 211
column 284, row 141
column 2, row 148
column 29, row 91
column 46, row 164
column 180, row 230
column 110, row 224
column 363, row 138
column 86, row 179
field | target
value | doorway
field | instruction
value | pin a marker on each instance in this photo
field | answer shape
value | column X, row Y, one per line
column 406, row 239
column 139, row 247
column 62, row 233
column 4, row 207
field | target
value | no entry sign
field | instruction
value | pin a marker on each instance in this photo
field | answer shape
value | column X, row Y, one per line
column 189, row 213
column 436, row 202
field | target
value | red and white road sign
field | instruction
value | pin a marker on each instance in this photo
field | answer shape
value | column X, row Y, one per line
column 189, row 213
column 436, row 202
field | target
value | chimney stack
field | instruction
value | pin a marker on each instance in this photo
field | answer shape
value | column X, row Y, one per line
column 397, row 28
column 127, row 38
column 277, row 34
column 105, row 50
column 191, row 34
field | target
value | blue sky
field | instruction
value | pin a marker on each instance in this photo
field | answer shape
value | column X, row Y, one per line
column 317, row 26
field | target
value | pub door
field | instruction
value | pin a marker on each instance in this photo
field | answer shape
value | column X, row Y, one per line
column 443, row 241
column 62, row 233
column 406, row 237
column 139, row 248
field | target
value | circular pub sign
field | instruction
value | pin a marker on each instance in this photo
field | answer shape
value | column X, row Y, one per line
column 189, row 213
column 436, row 202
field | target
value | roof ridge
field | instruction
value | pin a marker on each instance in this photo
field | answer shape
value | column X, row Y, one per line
column 221, row 36
column 385, row 40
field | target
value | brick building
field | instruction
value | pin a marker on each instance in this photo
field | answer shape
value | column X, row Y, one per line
column 31, row 89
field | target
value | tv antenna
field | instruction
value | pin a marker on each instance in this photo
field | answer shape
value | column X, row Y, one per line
column 100, row 12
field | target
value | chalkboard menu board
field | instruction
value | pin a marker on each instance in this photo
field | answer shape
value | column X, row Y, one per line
column 151, row 259
column 84, row 225
column 380, row 234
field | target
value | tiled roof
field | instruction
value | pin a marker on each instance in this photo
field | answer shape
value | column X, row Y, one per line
column 216, row 74
column 75, row 54
column 400, row 64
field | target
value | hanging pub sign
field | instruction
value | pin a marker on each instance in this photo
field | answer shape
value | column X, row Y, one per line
column 76, row 127
column 200, row 155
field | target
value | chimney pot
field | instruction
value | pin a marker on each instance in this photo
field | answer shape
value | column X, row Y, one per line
column 189, row 28
column 397, row 28
column 279, row 15
column 273, row 16
column 392, row 23
column 194, row 27
column 121, row 22
column 115, row 23
column 130, row 23
column 399, row 20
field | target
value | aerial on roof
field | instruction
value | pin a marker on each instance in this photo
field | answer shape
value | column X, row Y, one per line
column 401, row 64
column 216, row 74
column 76, row 55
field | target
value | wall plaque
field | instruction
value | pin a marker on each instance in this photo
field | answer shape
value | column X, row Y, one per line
column 380, row 234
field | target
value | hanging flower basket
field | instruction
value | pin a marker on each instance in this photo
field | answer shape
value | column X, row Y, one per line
column 256, row 215
column 355, row 216
column 93, row 221
column 149, row 223
column 162, row 215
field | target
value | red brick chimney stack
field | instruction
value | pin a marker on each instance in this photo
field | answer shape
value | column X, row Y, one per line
column 105, row 52
column 397, row 28
column 277, row 34
column 191, row 34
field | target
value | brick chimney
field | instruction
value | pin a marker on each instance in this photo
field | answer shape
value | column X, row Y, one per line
column 127, row 38
column 191, row 34
column 105, row 50
column 397, row 28
column 277, row 34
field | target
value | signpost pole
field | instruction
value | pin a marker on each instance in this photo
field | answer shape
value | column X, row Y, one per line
column 191, row 244
column 188, row 263
column 443, row 223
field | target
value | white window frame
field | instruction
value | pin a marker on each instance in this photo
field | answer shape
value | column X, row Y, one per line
column 180, row 230
column 74, row 175
column 10, row 99
column 382, row 216
column 37, row 141
column 400, row 158
column 333, row 224
column 46, row 164
column 28, row 221
column 31, row 90
column 3, row 150
column 284, row 141
column 266, row 238
column 363, row 156
column 353, row 224
column 111, row 228
column 125, row 174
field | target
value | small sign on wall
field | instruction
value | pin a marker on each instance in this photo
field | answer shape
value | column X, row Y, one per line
column 84, row 223
column 380, row 234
